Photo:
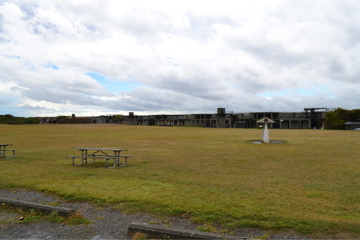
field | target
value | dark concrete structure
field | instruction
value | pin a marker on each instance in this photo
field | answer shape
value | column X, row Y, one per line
column 313, row 118
column 351, row 125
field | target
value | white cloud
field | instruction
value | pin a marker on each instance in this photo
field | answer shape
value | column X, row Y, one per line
column 182, row 56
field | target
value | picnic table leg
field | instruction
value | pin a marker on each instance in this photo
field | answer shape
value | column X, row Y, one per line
column 73, row 162
column 117, row 157
column 125, row 162
column 93, row 157
column 10, row 156
column 2, row 151
column 107, row 164
column 84, row 156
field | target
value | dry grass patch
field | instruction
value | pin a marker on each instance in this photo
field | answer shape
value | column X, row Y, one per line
column 309, row 184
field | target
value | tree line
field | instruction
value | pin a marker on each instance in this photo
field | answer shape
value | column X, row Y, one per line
column 10, row 119
column 336, row 119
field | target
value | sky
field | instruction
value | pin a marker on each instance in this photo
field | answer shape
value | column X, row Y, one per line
column 91, row 57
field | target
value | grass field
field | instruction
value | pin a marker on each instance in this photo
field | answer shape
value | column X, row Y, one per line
column 310, row 184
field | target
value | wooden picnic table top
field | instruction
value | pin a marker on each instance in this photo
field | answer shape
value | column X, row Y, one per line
column 102, row 149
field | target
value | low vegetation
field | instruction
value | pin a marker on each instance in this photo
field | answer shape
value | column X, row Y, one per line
column 336, row 119
column 10, row 119
column 212, row 176
column 14, row 215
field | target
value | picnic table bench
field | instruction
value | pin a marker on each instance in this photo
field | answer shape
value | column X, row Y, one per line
column 101, row 153
column 3, row 150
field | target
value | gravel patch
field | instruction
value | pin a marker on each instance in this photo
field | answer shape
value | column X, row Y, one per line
column 107, row 223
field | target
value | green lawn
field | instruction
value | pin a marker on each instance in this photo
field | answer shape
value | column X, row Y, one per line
column 310, row 184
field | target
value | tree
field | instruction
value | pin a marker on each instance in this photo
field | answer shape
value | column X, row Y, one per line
column 336, row 119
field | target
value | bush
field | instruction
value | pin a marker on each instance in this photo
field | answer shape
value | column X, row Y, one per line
column 10, row 119
column 336, row 119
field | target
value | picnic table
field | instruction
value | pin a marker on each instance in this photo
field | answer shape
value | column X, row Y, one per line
column 101, row 153
column 3, row 151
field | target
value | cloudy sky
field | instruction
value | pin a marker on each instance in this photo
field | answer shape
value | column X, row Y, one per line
column 91, row 57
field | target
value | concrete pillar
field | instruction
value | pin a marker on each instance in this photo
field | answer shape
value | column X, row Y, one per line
column 266, row 138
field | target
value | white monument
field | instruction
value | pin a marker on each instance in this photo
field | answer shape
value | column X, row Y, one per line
column 265, row 135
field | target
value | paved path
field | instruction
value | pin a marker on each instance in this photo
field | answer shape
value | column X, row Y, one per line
column 106, row 223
